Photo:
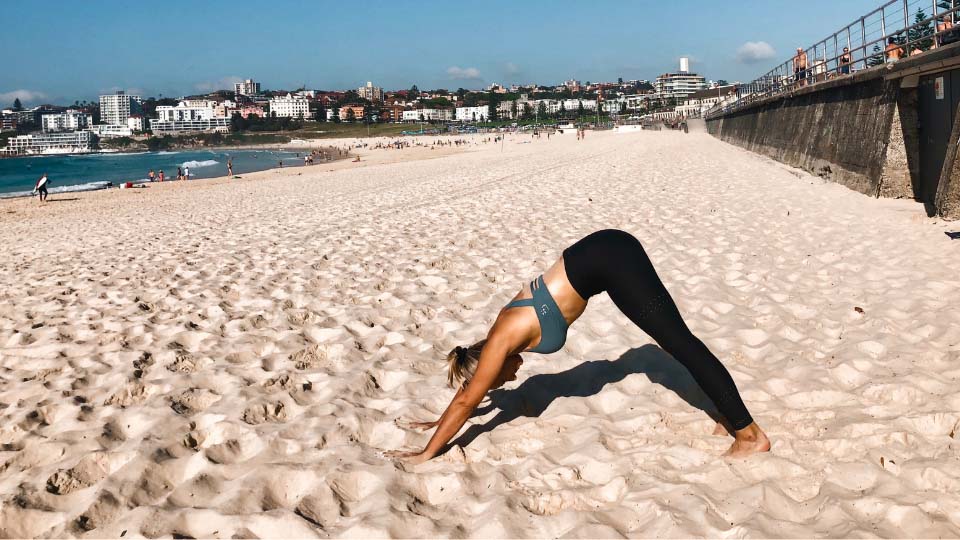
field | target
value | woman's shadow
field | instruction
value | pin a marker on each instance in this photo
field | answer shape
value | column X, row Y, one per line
column 535, row 394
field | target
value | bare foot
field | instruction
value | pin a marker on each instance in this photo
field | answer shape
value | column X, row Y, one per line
column 749, row 440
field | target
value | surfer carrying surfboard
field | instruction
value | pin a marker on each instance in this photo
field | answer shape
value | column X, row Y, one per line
column 41, row 187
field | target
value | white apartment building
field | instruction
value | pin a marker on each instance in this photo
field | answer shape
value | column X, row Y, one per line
column 110, row 131
column 289, row 107
column 505, row 110
column 681, row 84
column 187, row 110
column 427, row 115
column 116, row 108
column 697, row 103
column 137, row 123
column 66, row 121
column 371, row 92
column 473, row 114
column 166, row 127
column 249, row 87
column 638, row 101
column 574, row 104
column 50, row 143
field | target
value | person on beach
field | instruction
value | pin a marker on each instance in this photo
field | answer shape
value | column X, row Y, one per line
column 179, row 173
column 160, row 176
column 893, row 51
column 186, row 173
column 41, row 187
column 229, row 167
column 800, row 67
column 844, row 61
column 151, row 175
column 608, row 260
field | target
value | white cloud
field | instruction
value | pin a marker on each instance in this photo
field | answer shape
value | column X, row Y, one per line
column 752, row 52
column 512, row 69
column 225, row 83
column 25, row 96
column 469, row 73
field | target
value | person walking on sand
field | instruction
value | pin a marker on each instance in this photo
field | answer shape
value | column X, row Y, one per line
column 41, row 187
column 230, row 167
column 186, row 173
column 151, row 175
column 179, row 173
column 610, row 261
column 160, row 176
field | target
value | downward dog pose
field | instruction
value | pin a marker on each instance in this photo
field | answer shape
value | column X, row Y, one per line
column 539, row 315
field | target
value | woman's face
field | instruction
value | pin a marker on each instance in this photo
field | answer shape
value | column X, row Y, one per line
column 509, row 370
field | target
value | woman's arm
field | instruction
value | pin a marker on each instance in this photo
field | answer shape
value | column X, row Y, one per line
column 495, row 351
column 435, row 423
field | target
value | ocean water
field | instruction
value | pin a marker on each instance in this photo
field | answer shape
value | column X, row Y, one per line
column 98, row 171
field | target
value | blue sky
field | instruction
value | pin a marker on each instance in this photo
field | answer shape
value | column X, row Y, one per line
column 64, row 50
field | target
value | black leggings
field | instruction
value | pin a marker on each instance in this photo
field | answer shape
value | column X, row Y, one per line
column 614, row 261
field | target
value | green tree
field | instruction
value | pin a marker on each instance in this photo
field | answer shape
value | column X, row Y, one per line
column 493, row 114
column 876, row 59
column 580, row 108
column 563, row 110
column 513, row 109
column 351, row 116
column 414, row 92
column 921, row 36
column 527, row 113
column 17, row 106
column 542, row 109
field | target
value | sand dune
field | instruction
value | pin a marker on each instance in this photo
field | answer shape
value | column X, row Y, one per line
column 229, row 358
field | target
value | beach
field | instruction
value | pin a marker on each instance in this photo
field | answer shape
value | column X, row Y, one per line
column 229, row 358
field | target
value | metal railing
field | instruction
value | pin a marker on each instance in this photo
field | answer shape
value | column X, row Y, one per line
column 912, row 25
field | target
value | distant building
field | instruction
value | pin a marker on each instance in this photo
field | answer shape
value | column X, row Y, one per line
column 357, row 110
column 681, row 84
column 50, row 143
column 248, row 110
column 289, row 107
column 371, row 92
column 247, row 88
column 699, row 102
column 66, row 121
column 191, row 109
column 428, row 115
column 392, row 113
column 111, row 131
column 8, row 122
column 164, row 127
column 137, row 123
column 116, row 108
column 473, row 114
column 224, row 109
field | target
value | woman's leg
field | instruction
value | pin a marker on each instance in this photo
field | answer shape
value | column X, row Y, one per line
column 635, row 288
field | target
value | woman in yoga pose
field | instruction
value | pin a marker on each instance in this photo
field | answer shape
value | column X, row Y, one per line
column 611, row 261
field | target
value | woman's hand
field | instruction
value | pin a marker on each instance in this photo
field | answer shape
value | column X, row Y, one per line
column 413, row 458
column 422, row 426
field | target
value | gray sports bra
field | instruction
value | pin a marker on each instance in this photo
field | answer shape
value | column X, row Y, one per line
column 553, row 327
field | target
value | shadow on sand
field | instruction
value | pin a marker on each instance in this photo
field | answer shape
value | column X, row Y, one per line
column 535, row 394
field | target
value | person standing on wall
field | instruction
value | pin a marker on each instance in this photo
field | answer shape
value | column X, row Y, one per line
column 844, row 61
column 800, row 67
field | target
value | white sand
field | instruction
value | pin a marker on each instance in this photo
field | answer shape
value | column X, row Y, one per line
column 221, row 359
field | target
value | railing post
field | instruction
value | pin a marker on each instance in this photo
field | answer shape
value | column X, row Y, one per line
column 863, row 40
column 883, row 22
column 906, row 14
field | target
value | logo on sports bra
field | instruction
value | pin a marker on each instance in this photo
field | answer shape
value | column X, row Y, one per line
column 544, row 309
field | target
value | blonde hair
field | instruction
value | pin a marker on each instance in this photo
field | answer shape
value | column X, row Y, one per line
column 462, row 364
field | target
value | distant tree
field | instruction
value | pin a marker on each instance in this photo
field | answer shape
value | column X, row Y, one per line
column 237, row 122
column 563, row 110
column 336, row 115
column 492, row 113
column 17, row 106
column 527, row 113
column 921, row 36
column 876, row 59
column 580, row 107
column 623, row 107
column 351, row 116
column 513, row 109
column 542, row 109
column 414, row 92
column 619, row 80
